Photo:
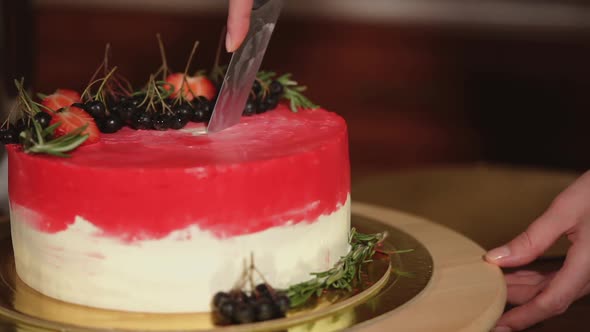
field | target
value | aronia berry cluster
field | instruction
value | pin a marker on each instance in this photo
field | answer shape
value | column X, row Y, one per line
column 169, row 100
column 238, row 307
column 134, row 111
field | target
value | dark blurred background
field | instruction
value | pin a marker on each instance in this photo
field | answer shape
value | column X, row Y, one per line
column 419, row 82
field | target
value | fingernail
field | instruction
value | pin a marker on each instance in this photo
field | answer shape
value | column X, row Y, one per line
column 228, row 43
column 498, row 253
column 501, row 329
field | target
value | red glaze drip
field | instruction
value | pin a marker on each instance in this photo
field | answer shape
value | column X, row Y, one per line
column 268, row 170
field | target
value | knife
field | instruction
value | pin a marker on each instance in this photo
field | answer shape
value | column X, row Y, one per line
column 244, row 65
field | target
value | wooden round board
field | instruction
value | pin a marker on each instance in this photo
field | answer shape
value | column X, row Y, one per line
column 464, row 294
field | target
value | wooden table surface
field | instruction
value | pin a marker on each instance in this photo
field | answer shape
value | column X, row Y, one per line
column 487, row 203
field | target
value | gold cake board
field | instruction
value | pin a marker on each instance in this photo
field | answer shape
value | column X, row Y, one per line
column 448, row 287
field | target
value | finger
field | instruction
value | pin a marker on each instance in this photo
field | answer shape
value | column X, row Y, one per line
column 585, row 291
column 238, row 23
column 537, row 238
column 563, row 214
column 562, row 290
column 523, row 286
column 515, row 298
column 531, row 278
column 519, row 294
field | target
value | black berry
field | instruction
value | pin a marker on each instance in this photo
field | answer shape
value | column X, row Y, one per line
column 177, row 121
column 256, row 87
column 263, row 290
column 96, row 109
column 202, row 109
column 8, row 135
column 184, row 110
column 21, row 125
column 126, row 110
column 43, row 119
column 205, row 104
column 239, row 296
column 272, row 102
column 199, row 116
column 219, row 298
column 262, row 106
column 244, row 313
column 264, row 310
column 141, row 120
column 135, row 100
column 110, row 124
column 226, row 310
column 250, row 108
column 283, row 303
column 276, row 88
column 160, row 122
column 115, row 108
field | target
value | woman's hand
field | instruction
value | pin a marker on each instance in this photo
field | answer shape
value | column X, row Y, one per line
column 238, row 23
column 541, row 296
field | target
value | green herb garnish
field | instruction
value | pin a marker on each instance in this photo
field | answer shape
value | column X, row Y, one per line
column 38, row 140
column 41, row 140
column 344, row 274
column 293, row 92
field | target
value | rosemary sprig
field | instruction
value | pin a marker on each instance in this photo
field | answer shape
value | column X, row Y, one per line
column 293, row 92
column 39, row 140
column 42, row 141
column 344, row 274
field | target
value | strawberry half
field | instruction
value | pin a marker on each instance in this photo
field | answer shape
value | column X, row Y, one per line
column 72, row 118
column 61, row 98
column 194, row 86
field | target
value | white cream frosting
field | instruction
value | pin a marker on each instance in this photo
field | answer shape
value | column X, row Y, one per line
column 179, row 273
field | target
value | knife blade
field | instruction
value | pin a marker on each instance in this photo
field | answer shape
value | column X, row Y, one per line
column 244, row 65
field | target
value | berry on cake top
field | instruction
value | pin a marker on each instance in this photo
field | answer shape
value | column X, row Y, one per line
column 65, row 119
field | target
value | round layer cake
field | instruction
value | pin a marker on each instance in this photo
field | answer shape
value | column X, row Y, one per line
column 159, row 221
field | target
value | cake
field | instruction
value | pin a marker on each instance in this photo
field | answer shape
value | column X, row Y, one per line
column 159, row 221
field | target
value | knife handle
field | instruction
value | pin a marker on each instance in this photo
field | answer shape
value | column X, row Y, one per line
column 259, row 3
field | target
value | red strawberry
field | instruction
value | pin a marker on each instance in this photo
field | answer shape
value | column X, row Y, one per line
column 72, row 118
column 61, row 98
column 194, row 86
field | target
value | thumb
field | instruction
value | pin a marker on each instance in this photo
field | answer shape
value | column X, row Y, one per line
column 238, row 23
column 534, row 241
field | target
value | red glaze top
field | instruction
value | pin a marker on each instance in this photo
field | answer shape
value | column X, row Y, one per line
column 268, row 170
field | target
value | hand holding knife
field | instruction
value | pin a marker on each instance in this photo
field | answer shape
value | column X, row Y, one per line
column 244, row 65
